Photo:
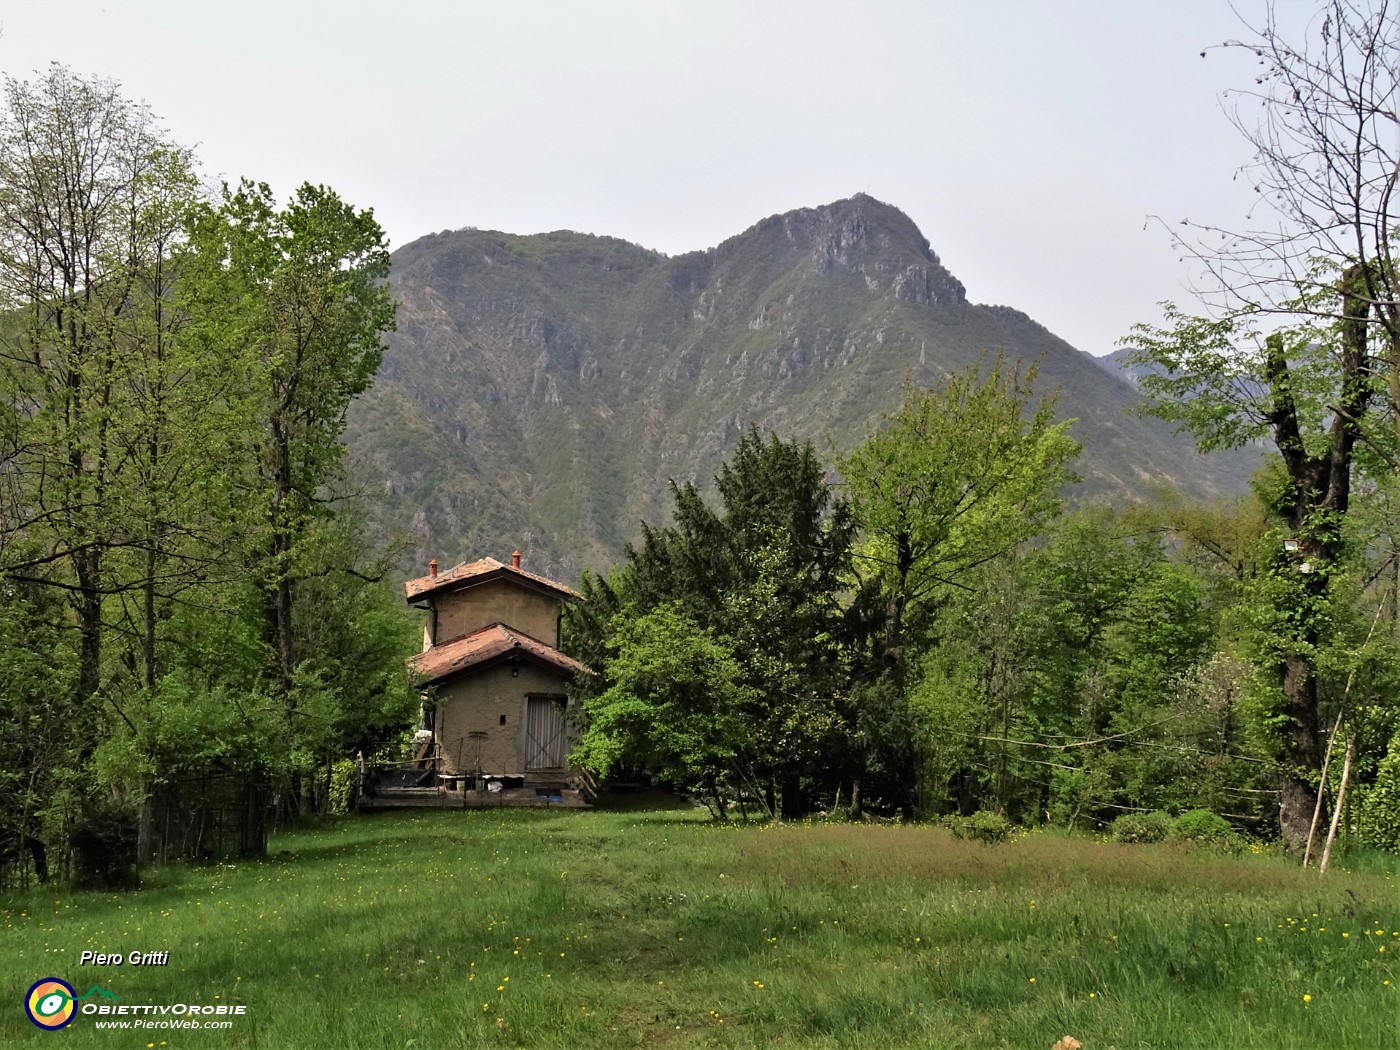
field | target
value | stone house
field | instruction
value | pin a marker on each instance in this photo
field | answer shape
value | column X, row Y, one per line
column 498, row 718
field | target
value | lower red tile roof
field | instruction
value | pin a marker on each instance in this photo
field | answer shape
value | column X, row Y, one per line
column 489, row 645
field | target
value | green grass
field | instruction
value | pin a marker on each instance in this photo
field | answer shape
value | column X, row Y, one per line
column 612, row 929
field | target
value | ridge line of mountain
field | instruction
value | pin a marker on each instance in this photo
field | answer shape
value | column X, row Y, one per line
column 541, row 389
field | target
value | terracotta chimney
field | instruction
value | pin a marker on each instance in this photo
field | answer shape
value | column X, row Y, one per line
column 515, row 560
column 432, row 568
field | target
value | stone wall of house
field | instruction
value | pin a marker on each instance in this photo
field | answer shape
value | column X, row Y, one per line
column 490, row 702
column 472, row 608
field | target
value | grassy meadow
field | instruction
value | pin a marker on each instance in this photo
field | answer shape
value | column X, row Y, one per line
column 658, row 928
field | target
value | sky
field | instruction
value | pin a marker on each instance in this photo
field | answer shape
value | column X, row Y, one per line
column 1040, row 145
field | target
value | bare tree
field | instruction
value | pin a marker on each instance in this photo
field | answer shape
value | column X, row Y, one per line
column 1322, row 120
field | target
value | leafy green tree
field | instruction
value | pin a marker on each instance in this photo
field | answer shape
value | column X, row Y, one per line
column 174, row 376
column 1378, row 812
column 764, row 572
column 958, row 476
column 677, row 706
column 91, row 198
column 353, row 636
column 1313, row 413
column 298, row 296
column 1051, row 683
column 297, row 299
column 1020, row 639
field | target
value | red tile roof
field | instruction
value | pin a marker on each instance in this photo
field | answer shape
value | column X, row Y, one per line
column 492, row 644
column 478, row 572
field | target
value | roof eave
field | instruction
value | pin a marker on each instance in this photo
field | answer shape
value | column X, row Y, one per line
column 529, row 582
column 515, row 654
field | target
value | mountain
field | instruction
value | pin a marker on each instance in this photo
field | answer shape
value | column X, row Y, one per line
column 1118, row 363
column 541, row 390
column 1121, row 364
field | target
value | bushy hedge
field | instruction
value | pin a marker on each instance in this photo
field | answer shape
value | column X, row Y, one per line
column 1378, row 804
column 985, row 824
column 1141, row 827
column 1201, row 827
column 345, row 781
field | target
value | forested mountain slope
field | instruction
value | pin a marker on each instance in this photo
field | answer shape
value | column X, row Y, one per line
column 541, row 390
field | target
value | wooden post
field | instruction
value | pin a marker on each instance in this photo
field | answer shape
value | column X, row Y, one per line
column 1337, row 809
column 1346, row 695
column 1321, row 787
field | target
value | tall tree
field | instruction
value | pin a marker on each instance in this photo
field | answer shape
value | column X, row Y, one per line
column 91, row 196
column 298, row 297
column 92, row 202
column 1320, row 274
column 174, row 376
column 958, row 476
column 761, row 574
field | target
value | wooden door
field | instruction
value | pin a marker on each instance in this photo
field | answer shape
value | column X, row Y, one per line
column 545, row 739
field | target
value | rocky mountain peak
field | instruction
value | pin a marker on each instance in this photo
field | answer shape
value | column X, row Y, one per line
column 858, row 237
column 542, row 390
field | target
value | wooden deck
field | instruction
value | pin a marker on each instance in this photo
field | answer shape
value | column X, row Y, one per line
column 431, row 798
column 528, row 789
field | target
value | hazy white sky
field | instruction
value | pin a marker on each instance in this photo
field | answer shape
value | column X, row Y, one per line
column 1030, row 141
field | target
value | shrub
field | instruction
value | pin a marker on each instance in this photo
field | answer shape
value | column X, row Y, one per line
column 1378, row 805
column 1201, row 827
column 1141, row 827
column 103, row 840
column 345, row 779
column 984, row 824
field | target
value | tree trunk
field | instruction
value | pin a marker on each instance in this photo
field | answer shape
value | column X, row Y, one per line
column 790, row 804
column 87, row 566
column 252, row 824
column 148, row 627
column 40, row 855
column 1301, row 753
column 894, row 610
column 1003, row 787
column 1322, row 784
column 1319, row 499
column 280, row 599
column 145, row 832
